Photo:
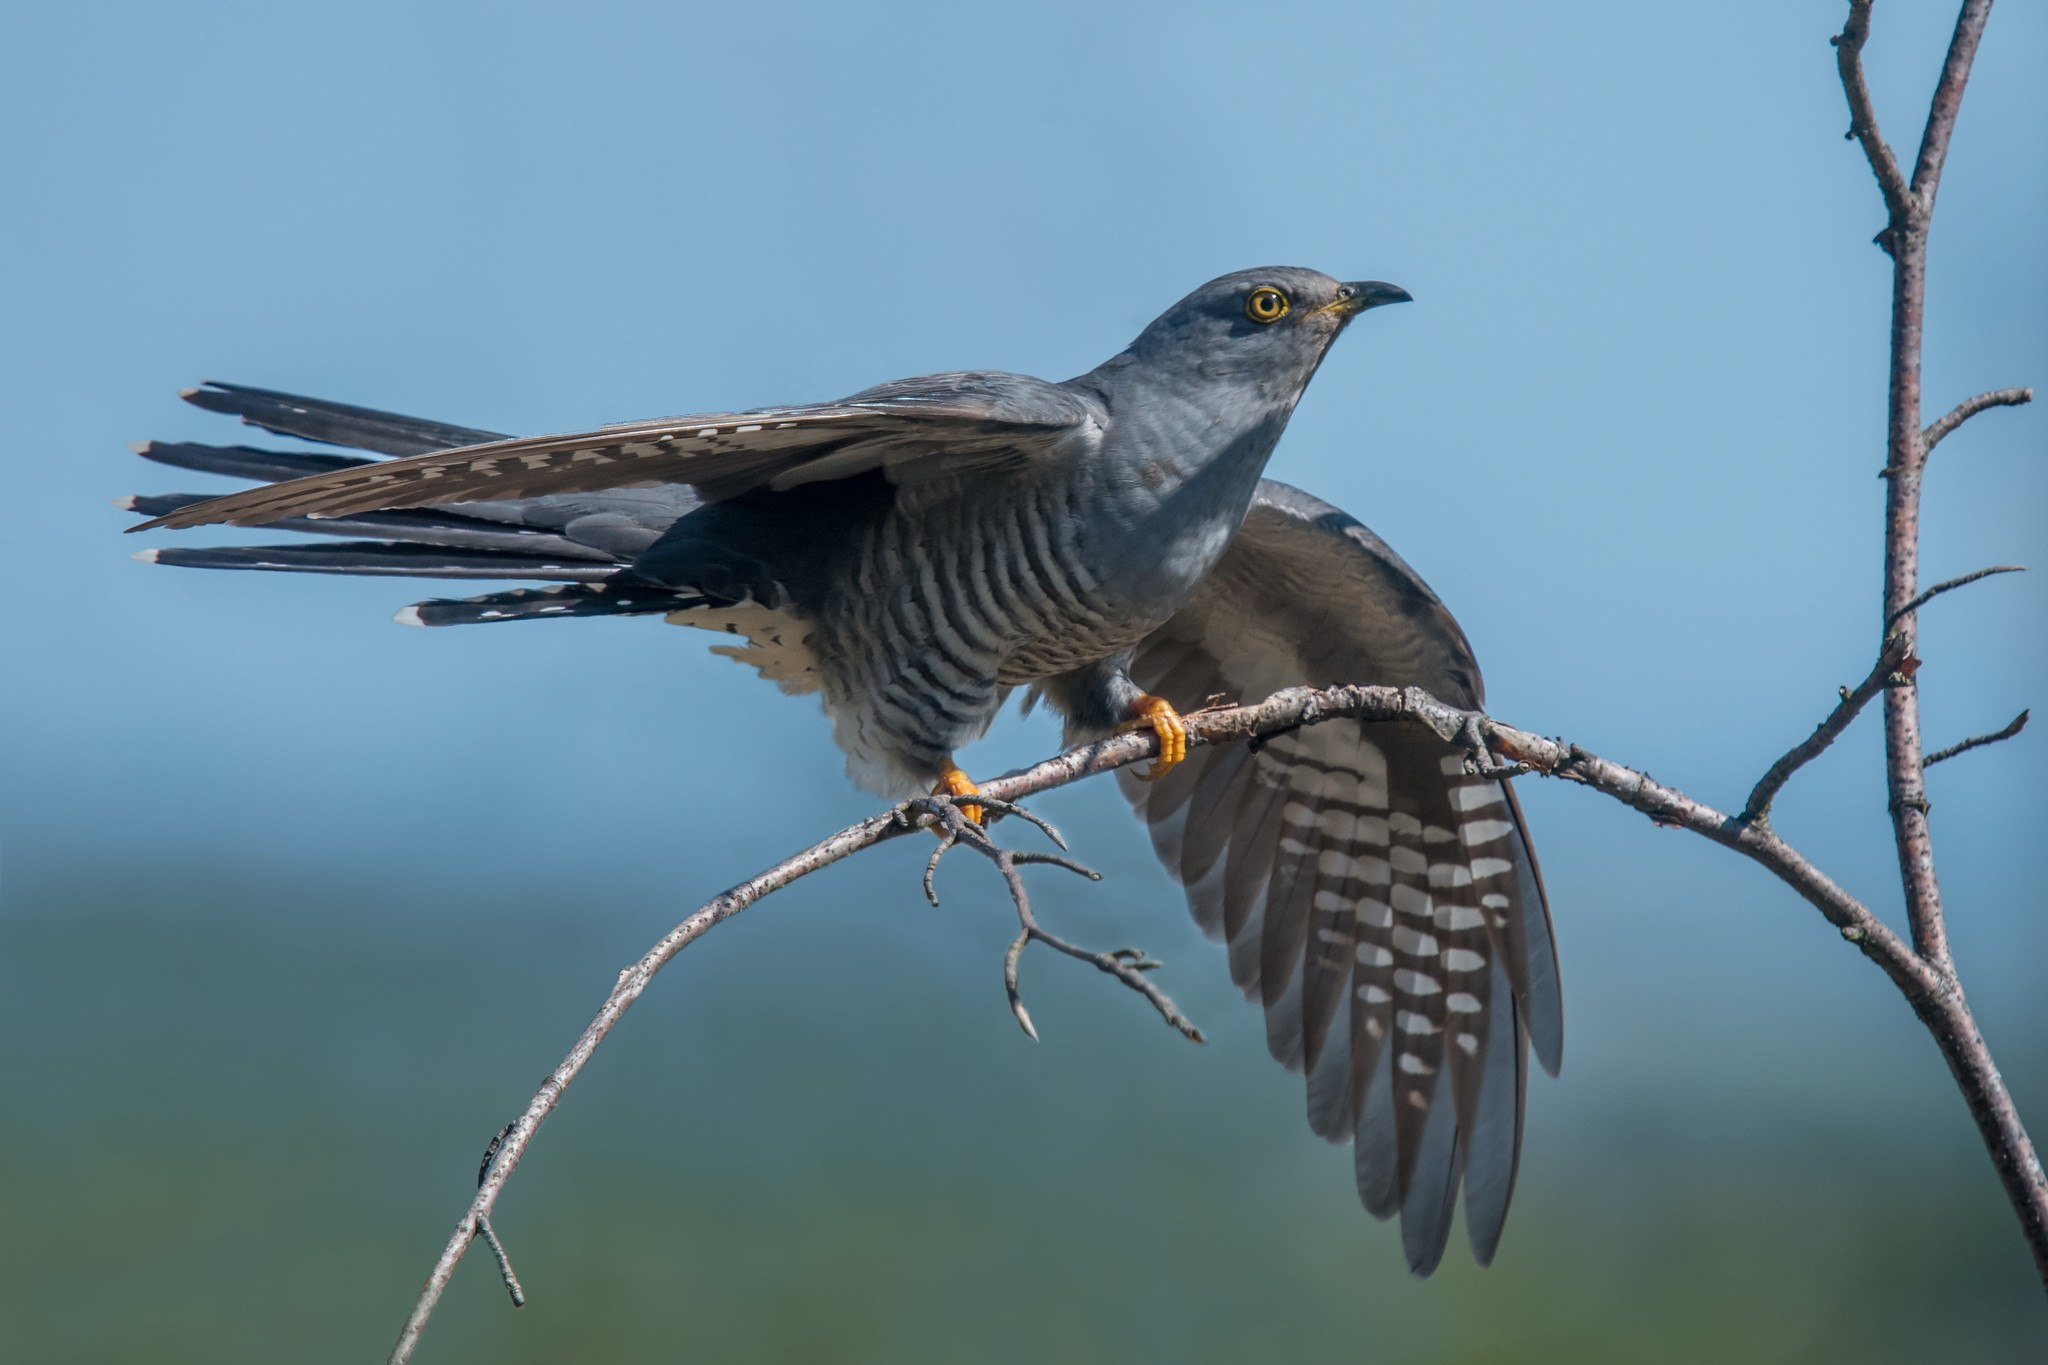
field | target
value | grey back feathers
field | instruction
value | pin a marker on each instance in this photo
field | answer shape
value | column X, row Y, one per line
column 918, row 549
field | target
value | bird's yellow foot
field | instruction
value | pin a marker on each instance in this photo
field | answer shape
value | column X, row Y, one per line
column 953, row 782
column 1158, row 715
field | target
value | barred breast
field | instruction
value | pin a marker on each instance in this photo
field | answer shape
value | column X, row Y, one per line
column 939, row 613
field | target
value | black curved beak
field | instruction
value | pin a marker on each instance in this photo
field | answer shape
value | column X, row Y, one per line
column 1358, row 295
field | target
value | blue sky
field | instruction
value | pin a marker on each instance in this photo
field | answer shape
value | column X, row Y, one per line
column 1629, row 430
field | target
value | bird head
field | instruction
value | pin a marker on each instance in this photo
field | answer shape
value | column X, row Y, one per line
column 1269, row 327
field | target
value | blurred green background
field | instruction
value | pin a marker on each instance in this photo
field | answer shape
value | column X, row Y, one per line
column 296, row 908
column 251, row 1114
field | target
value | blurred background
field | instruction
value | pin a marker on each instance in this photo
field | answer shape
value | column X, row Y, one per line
column 299, row 906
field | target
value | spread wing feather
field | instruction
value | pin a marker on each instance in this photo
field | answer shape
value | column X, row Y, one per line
column 915, row 430
column 1380, row 903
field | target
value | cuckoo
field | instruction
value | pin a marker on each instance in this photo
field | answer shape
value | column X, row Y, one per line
column 913, row 553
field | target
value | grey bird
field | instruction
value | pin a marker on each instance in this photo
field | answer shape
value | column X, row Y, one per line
column 916, row 551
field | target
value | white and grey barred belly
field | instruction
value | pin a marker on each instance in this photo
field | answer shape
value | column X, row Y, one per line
column 937, row 615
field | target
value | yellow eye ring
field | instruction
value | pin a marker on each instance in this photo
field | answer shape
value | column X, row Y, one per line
column 1266, row 304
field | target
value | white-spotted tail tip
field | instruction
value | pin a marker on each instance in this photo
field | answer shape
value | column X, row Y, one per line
column 409, row 616
column 125, row 503
column 145, row 556
column 140, row 447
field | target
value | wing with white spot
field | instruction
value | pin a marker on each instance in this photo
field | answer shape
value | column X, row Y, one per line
column 1383, row 905
column 914, row 430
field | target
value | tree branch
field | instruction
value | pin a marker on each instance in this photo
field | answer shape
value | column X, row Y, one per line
column 1905, row 238
column 1950, row 585
column 1968, row 408
column 1947, row 101
column 952, row 815
column 1940, row 1005
column 1933, row 996
column 1891, row 660
column 1862, row 114
column 2013, row 727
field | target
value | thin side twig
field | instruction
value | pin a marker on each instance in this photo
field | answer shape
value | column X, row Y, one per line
column 505, row 1271
column 1949, row 585
column 489, row 1233
column 1947, row 101
column 1968, row 408
column 1127, row 965
column 1862, row 113
column 2012, row 727
column 1886, row 672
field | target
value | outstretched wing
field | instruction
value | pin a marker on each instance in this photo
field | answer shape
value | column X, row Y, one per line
column 914, row 429
column 1381, row 903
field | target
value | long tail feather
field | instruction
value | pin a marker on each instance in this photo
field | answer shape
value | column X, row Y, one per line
column 380, row 557
column 341, row 424
column 421, row 526
column 585, row 542
column 616, row 598
column 244, row 462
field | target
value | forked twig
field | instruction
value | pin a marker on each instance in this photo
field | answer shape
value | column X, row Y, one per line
column 1127, row 965
column 505, row 1272
column 489, row 1233
column 1862, row 113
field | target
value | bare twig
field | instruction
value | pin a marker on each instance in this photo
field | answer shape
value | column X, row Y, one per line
column 1894, row 656
column 1016, row 994
column 1968, row 408
column 1947, row 101
column 2013, row 727
column 1862, row 114
column 489, row 1233
column 1125, row 964
column 1941, row 1007
column 505, row 1272
column 1905, row 238
column 1949, row 585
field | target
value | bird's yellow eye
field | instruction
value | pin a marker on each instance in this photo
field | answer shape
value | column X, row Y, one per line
column 1265, row 304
